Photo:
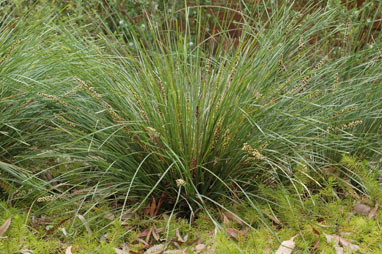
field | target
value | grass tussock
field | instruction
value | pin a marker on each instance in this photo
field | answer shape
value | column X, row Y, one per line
column 169, row 118
column 174, row 119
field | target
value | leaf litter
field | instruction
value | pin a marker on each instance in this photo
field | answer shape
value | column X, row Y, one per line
column 365, row 210
column 287, row 246
column 68, row 250
column 340, row 243
column 5, row 226
column 82, row 218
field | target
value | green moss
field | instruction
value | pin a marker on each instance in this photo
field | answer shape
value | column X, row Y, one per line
column 366, row 175
column 224, row 245
column 259, row 240
column 20, row 237
column 203, row 222
column 317, row 211
column 366, row 232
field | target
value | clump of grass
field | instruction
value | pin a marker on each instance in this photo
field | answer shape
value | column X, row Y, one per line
column 276, row 108
column 194, row 125
column 275, row 121
column 17, row 121
column 26, row 65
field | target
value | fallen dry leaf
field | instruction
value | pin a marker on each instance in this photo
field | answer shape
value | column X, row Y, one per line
column 318, row 240
column 109, row 216
column 55, row 227
column 143, row 233
column 160, row 203
column 199, row 248
column 333, row 238
column 103, row 238
column 82, row 218
column 149, row 235
column 176, row 244
column 233, row 233
column 176, row 251
column 68, row 250
column 128, row 214
column 64, row 232
column 180, row 238
column 165, row 217
column 267, row 249
column 215, row 233
column 373, row 212
column 26, row 252
column 125, row 224
column 362, row 209
column 274, row 219
column 5, row 226
column 287, row 247
column 347, row 244
column 156, row 249
column 340, row 242
column 227, row 217
column 151, row 209
column 155, row 234
column 144, row 243
column 118, row 251
column 197, row 240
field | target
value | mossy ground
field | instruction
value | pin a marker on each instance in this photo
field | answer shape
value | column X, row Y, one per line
column 91, row 227
column 53, row 226
column 42, row 232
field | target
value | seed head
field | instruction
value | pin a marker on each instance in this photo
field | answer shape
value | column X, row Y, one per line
column 180, row 182
column 351, row 125
column 47, row 198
